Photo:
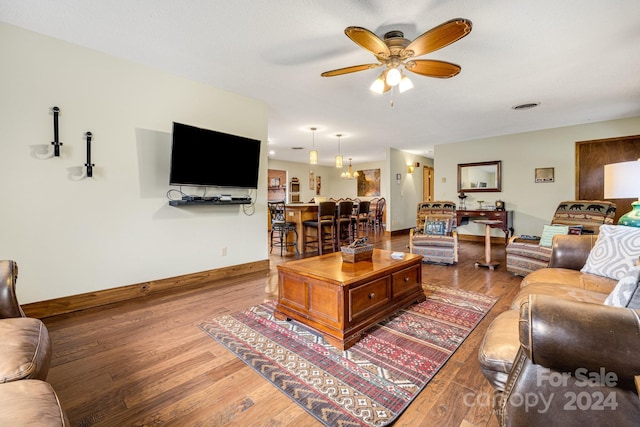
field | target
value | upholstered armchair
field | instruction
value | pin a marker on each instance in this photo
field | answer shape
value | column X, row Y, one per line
column 581, row 216
column 435, row 236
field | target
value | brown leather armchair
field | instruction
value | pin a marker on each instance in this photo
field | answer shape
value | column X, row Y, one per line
column 558, row 333
column 575, row 366
column 25, row 356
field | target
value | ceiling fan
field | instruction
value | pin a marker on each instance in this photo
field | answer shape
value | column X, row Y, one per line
column 395, row 52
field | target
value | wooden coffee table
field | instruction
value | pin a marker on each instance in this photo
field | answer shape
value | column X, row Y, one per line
column 342, row 300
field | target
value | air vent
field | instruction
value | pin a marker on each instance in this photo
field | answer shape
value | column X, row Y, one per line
column 526, row 106
column 297, row 148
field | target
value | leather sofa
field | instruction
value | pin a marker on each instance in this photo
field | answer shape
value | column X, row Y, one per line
column 25, row 356
column 559, row 355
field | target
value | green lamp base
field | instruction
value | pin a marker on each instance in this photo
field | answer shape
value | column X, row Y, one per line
column 632, row 218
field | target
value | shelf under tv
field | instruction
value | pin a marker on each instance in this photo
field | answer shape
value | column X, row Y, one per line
column 202, row 202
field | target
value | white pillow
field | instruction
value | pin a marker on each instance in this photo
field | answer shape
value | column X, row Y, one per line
column 615, row 251
column 627, row 291
column 548, row 231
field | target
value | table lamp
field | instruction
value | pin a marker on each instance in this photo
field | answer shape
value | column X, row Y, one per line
column 622, row 181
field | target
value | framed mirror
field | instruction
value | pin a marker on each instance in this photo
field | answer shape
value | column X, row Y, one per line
column 480, row 177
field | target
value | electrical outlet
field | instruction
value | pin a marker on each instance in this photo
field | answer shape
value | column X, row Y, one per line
column 223, row 251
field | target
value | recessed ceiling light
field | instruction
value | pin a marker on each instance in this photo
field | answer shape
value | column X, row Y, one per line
column 526, row 106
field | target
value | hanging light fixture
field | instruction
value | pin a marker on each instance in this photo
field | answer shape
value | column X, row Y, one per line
column 349, row 174
column 339, row 156
column 313, row 154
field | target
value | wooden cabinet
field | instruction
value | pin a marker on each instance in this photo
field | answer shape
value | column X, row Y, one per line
column 342, row 300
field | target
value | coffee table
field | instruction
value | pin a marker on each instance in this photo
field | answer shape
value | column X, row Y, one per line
column 342, row 300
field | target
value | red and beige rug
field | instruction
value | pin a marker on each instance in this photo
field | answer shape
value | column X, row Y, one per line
column 371, row 383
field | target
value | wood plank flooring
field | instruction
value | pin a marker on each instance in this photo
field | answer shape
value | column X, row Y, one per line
column 145, row 362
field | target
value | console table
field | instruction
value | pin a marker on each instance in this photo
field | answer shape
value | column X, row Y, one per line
column 504, row 219
column 342, row 300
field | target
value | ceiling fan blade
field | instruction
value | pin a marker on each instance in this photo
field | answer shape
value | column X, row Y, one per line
column 440, row 36
column 432, row 68
column 352, row 69
column 368, row 40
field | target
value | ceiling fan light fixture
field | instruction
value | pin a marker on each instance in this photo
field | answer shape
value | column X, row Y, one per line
column 378, row 85
column 393, row 77
column 405, row 84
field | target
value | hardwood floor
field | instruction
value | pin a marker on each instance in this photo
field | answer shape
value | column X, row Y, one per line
column 146, row 362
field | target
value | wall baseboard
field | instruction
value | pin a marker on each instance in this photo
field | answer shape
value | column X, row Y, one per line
column 211, row 278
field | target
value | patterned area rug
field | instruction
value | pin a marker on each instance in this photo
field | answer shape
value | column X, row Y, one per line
column 371, row 383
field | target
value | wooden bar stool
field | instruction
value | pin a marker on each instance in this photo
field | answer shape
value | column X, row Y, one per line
column 343, row 222
column 361, row 219
column 321, row 231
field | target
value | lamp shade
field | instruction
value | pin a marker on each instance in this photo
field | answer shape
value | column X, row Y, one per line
column 313, row 157
column 622, row 180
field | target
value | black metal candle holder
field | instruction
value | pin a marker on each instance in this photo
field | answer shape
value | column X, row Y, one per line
column 56, row 141
column 89, row 165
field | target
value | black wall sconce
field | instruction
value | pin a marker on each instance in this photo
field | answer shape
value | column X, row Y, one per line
column 89, row 165
column 56, row 140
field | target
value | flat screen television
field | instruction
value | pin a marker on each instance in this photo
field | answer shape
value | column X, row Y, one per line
column 203, row 157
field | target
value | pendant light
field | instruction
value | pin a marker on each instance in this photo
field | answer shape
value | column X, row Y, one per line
column 313, row 154
column 339, row 156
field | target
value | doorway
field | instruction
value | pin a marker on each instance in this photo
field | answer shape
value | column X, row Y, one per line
column 427, row 183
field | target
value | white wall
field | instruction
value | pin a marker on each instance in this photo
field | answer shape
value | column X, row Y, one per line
column 533, row 203
column 72, row 236
column 405, row 194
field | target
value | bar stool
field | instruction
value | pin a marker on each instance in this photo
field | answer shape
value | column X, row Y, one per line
column 361, row 218
column 280, row 228
column 324, row 227
column 343, row 218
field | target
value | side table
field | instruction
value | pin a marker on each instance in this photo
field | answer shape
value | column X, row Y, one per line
column 486, row 262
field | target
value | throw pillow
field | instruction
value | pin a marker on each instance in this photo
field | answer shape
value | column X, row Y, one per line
column 627, row 291
column 548, row 231
column 435, row 227
column 615, row 251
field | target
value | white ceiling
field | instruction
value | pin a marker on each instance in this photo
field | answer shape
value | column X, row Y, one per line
column 579, row 58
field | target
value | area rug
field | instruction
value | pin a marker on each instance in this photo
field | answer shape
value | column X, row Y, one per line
column 371, row 383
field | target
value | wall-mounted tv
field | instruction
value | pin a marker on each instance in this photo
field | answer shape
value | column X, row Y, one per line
column 203, row 157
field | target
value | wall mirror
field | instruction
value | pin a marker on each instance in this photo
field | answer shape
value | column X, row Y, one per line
column 480, row 177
